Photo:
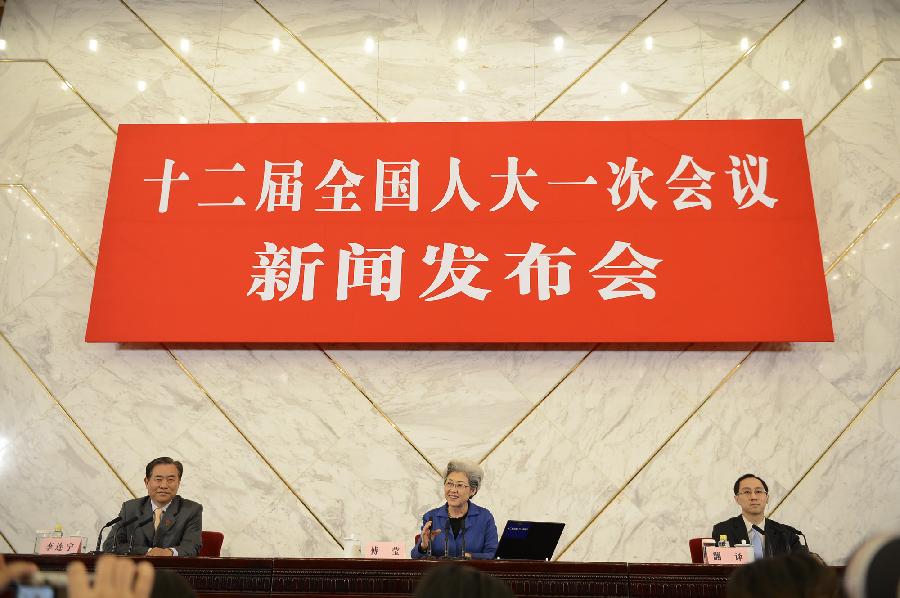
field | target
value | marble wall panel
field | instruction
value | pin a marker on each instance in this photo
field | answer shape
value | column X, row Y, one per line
column 614, row 411
column 136, row 403
column 679, row 495
column 866, row 456
column 322, row 436
column 540, row 473
column 31, row 249
column 22, row 399
column 876, row 256
column 48, row 330
column 432, row 394
column 20, row 86
column 820, row 75
column 68, row 155
column 127, row 53
column 4, row 547
column 510, row 65
column 49, row 472
column 234, row 50
column 869, row 121
column 26, row 27
column 637, row 82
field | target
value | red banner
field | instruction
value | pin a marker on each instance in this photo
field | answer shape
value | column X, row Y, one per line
column 461, row 232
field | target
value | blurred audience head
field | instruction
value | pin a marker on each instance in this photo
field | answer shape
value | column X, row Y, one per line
column 797, row 575
column 458, row 581
column 874, row 569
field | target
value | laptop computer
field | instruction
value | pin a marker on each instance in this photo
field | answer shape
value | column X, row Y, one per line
column 529, row 540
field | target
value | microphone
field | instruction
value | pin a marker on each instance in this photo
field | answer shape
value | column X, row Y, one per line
column 447, row 540
column 462, row 539
column 759, row 530
column 100, row 535
column 794, row 530
column 124, row 524
column 140, row 524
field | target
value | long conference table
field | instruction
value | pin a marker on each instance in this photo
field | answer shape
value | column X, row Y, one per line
column 318, row 578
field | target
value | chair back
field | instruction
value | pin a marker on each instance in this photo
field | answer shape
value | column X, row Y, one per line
column 696, row 546
column 212, row 543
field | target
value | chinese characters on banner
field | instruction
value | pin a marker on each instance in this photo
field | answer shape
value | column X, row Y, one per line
column 461, row 232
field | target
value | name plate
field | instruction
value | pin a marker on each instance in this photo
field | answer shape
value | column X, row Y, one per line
column 736, row 555
column 385, row 550
column 63, row 545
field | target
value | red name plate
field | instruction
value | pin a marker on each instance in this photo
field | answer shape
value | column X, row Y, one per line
column 461, row 232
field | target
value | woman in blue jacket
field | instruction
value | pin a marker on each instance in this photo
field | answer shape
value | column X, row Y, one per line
column 459, row 528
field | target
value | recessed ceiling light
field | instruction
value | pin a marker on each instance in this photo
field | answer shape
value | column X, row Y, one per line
column 558, row 43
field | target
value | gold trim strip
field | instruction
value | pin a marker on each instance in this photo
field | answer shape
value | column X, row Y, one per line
column 8, row 543
column 186, row 64
column 246, row 438
column 862, row 234
column 63, row 80
column 646, row 462
column 743, row 57
column 375, row 406
column 24, row 188
column 846, row 95
column 180, row 365
column 836, row 438
column 66, row 413
column 539, row 403
column 598, row 61
column 321, row 61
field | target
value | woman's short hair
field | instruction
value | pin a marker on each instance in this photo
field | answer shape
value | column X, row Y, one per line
column 473, row 472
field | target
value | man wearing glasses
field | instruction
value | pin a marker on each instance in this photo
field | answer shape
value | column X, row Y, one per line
column 768, row 537
column 170, row 525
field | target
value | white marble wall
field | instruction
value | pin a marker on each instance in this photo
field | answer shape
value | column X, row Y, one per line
column 292, row 448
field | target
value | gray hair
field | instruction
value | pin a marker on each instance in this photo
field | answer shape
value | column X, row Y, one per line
column 473, row 472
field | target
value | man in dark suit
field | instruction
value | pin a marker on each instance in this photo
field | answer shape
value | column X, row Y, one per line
column 751, row 493
column 173, row 524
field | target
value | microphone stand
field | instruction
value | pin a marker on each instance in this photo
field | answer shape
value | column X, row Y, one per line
column 100, row 535
column 447, row 540
column 140, row 524
column 462, row 539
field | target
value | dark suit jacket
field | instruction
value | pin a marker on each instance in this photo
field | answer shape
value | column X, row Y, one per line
column 179, row 527
column 779, row 540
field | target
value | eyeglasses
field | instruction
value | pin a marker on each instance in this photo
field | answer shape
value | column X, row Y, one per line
column 757, row 492
column 455, row 485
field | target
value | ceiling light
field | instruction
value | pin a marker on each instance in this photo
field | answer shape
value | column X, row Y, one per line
column 837, row 42
column 745, row 44
column 785, row 85
column 558, row 43
column 141, row 85
column 185, row 45
column 867, row 84
column 461, row 44
column 92, row 45
column 460, row 86
column 276, row 44
column 182, row 120
column 648, row 42
column 322, row 119
column 252, row 119
column 623, row 87
column 301, row 86
column 369, row 45
column 2, row 44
